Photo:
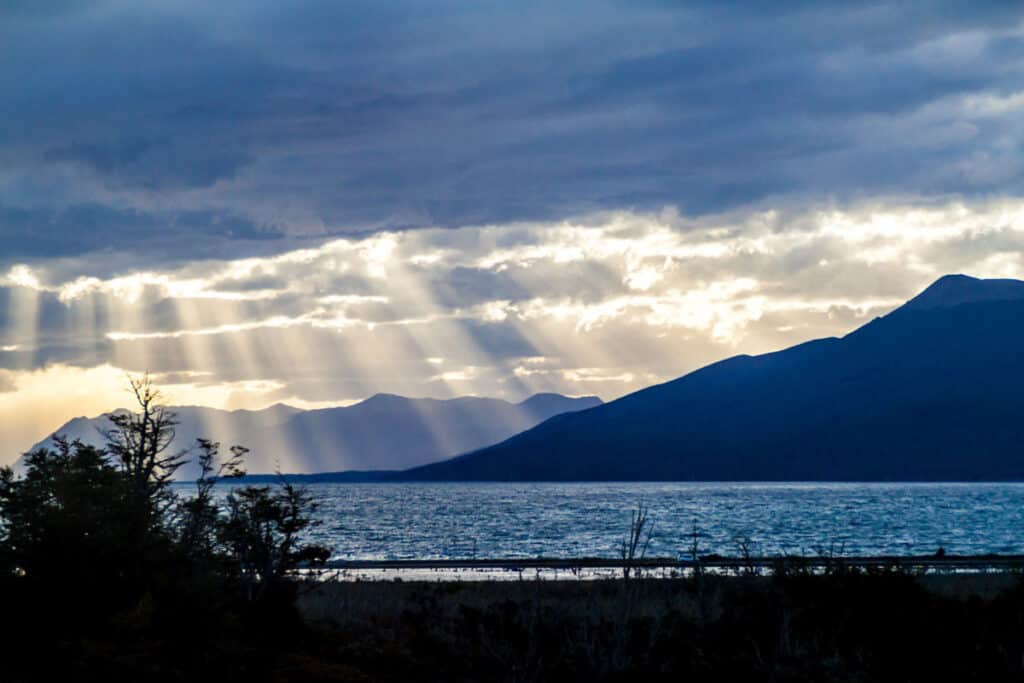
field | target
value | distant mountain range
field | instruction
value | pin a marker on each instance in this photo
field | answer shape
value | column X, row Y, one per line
column 932, row 391
column 384, row 432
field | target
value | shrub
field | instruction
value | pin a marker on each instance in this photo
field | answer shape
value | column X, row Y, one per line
column 97, row 543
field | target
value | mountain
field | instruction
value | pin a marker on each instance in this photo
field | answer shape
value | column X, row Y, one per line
column 384, row 432
column 932, row 391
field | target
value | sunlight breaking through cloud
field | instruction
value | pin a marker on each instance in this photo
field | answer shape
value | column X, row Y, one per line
column 606, row 304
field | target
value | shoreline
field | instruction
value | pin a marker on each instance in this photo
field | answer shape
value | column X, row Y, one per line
column 593, row 568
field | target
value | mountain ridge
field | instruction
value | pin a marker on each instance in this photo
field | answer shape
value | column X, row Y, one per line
column 927, row 391
column 390, row 432
column 957, row 289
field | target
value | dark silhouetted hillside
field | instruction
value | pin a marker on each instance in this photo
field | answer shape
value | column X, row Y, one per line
column 932, row 391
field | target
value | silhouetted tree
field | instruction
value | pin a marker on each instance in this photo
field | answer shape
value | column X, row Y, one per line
column 634, row 547
column 199, row 517
column 140, row 442
column 64, row 530
column 97, row 543
column 262, row 533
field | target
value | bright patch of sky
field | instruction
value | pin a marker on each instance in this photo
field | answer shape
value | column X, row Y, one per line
column 498, row 310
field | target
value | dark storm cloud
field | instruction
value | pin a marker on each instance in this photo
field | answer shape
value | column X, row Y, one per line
column 321, row 118
column 155, row 164
column 42, row 7
column 67, row 231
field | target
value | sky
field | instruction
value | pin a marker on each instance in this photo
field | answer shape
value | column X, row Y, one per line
column 312, row 202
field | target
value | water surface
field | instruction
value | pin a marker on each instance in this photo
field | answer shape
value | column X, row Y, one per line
column 465, row 520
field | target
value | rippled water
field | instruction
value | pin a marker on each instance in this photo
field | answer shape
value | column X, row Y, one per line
column 399, row 521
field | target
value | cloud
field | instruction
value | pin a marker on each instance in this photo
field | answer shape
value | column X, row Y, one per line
column 318, row 201
column 146, row 236
column 323, row 119
column 154, row 164
column 43, row 8
column 608, row 305
column 7, row 382
column 31, row 409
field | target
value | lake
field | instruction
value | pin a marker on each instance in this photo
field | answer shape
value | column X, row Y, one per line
column 466, row 520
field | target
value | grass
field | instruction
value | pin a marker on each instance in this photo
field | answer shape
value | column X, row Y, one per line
column 847, row 626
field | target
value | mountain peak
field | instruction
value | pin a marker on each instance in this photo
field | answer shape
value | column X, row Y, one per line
column 543, row 399
column 382, row 398
column 930, row 396
column 389, row 432
column 953, row 290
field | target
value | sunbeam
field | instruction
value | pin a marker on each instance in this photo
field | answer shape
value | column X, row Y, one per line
column 603, row 306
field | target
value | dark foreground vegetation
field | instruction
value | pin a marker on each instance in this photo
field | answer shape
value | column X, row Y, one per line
column 107, row 575
column 844, row 626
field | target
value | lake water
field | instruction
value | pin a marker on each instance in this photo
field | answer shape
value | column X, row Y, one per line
column 405, row 521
